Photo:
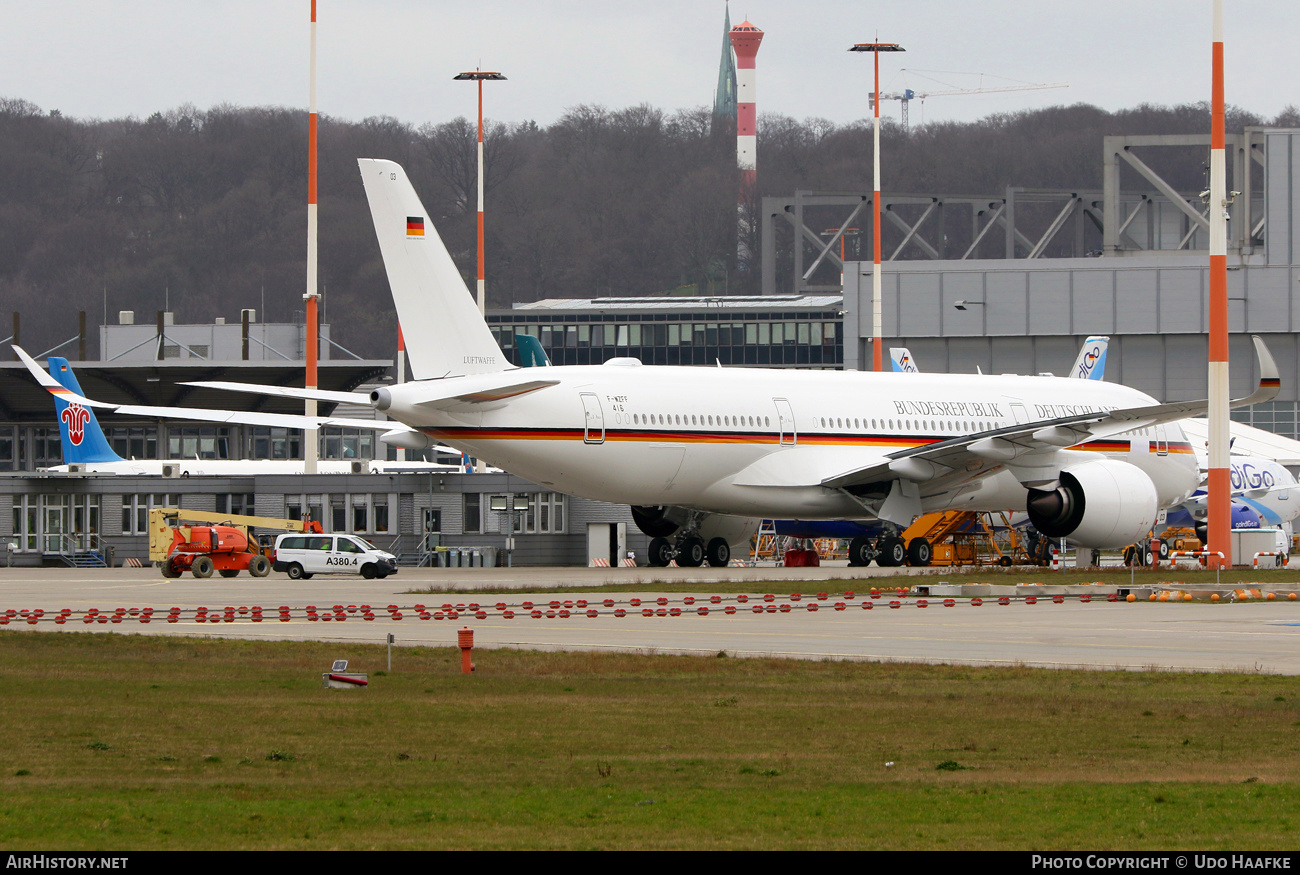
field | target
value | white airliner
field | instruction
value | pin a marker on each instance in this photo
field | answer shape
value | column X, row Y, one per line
column 700, row 452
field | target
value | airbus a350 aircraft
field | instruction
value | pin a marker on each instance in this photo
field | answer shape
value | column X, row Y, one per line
column 700, row 451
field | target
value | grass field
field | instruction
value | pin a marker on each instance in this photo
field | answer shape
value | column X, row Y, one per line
column 114, row 742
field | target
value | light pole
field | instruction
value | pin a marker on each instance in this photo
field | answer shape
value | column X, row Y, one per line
column 310, row 436
column 877, row 320
column 479, row 76
column 1218, row 487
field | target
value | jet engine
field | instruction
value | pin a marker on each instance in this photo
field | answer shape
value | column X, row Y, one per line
column 653, row 521
column 663, row 522
column 1106, row 503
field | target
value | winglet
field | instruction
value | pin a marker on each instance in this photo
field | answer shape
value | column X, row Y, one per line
column 53, row 386
column 1270, row 383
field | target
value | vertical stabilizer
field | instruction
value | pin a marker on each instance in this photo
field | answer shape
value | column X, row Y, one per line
column 531, row 353
column 1091, row 363
column 83, row 439
column 901, row 359
column 444, row 331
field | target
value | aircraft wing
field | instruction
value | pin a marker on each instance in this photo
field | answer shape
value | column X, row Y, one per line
column 1030, row 450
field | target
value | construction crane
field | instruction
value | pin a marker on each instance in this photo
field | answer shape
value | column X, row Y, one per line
column 908, row 94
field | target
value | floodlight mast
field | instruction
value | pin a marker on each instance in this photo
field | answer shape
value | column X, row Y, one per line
column 479, row 76
column 1218, row 486
column 877, row 319
column 311, row 448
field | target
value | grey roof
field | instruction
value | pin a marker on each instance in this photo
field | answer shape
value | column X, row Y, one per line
column 728, row 302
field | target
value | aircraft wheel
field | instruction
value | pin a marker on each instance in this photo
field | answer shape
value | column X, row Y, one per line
column 893, row 552
column 229, row 572
column 919, row 552
column 295, row 572
column 690, row 552
column 202, row 566
column 259, row 566
column 860, row 552
column 661, row 552
column 719, row 552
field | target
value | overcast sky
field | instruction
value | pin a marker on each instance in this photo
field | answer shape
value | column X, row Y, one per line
column 397, row 57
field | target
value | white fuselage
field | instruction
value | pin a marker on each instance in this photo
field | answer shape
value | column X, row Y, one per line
column 758, row 442
column 245, row 467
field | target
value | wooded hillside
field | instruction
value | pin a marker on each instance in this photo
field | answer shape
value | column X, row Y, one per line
column 205, row 209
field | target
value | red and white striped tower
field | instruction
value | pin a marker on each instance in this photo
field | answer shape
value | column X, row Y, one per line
column 877, row 307
column 401, row 377
column 745, row 40
column 1219, row 486
column 311, row 450
column 479, row 76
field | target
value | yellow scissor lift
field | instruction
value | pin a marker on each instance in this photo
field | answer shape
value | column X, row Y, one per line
column 963, row 537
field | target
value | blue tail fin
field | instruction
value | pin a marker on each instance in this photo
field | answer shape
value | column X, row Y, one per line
column 1091, row 363
column 83, row 439
column 531, row 353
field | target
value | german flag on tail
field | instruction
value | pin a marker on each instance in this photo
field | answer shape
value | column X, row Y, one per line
column 415, row 226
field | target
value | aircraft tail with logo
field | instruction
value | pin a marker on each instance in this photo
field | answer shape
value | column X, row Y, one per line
column 901, row 358
column 445, row 333
column 1091, row 363
column 83, row 439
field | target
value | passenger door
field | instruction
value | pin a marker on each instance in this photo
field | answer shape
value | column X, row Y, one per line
column 593, row 427
column 789, row 434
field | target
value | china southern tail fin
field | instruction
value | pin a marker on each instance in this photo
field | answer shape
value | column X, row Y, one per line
column 83, row 439
column 901, row 359
column 1091, row 363
column 445, row 333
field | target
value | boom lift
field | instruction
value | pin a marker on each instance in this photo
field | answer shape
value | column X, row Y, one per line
column 226, row 546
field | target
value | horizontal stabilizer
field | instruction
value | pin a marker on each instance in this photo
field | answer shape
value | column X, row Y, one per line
column 197, row 414
column 285, row 391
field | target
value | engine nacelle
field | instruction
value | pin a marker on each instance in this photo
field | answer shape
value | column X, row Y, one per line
column 654, row 522
column 1107, row 503
column 665, row 521
column 735, row 530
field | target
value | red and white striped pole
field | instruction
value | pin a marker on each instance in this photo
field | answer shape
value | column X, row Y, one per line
column 311, row 450
column 401, row 377
column 479, row 76
column 745, row 40
column 877, row 305
column 1219, row 486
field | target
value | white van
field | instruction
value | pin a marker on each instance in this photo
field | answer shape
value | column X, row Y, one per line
column 301, row 556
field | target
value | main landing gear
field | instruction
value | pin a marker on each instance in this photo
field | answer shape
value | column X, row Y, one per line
column 690, row 551
column 890, row 551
